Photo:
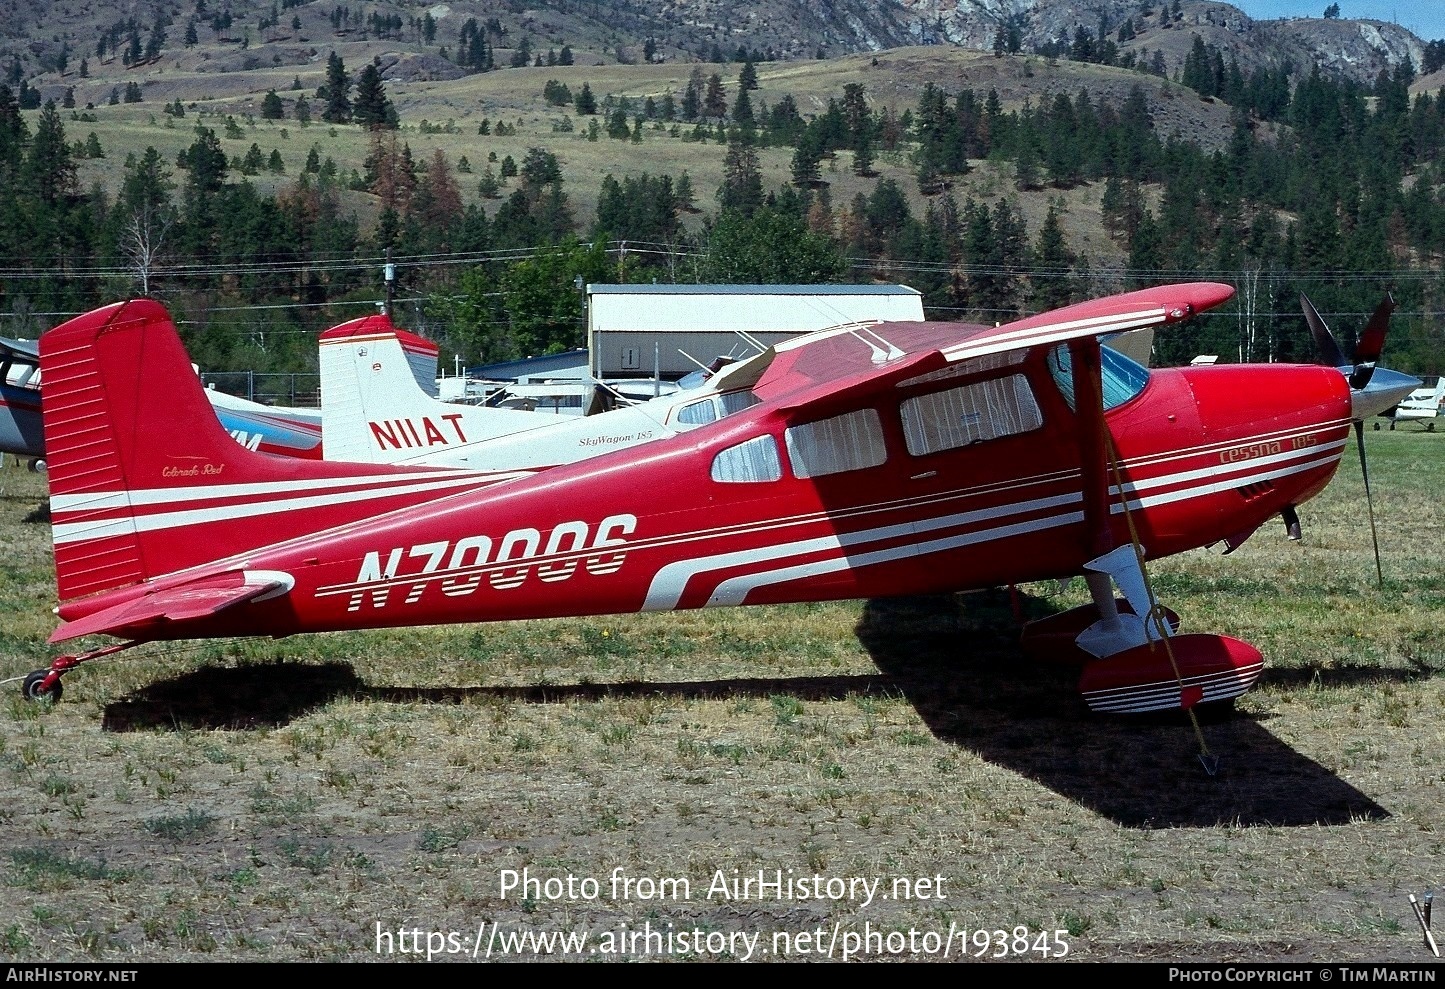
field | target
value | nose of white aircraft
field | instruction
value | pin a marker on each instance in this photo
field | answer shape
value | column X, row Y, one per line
column 1385, row 390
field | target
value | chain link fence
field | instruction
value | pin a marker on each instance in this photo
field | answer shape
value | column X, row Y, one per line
column 298, row 389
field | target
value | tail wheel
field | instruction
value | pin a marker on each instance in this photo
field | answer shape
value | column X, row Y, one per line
column 33, row 692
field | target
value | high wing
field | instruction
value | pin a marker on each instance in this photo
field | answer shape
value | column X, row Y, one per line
column 830, row 364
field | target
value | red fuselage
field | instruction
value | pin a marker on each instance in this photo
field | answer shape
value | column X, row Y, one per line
column 699, row 520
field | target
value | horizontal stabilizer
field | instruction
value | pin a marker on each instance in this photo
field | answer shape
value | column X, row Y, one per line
column 200, row 599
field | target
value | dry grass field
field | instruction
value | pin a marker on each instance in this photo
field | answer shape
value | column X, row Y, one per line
column 260, row 800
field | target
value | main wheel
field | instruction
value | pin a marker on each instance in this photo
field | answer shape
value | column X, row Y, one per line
column 32, row 691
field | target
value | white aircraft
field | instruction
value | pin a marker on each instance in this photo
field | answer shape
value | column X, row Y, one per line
column 1421, row 405
column 374, row 412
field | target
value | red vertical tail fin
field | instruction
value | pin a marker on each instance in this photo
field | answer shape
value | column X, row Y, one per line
column 145, row 481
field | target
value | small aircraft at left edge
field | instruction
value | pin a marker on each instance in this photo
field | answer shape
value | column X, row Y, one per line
column 897, row 459
column 21, row 430
column 270, row 429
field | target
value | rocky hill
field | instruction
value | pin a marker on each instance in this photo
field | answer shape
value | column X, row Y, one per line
column 54, row 43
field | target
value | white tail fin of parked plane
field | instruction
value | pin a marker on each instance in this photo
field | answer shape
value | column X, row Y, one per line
column 376, row 412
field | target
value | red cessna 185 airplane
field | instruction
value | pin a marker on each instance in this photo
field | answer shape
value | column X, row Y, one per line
column 870, row 461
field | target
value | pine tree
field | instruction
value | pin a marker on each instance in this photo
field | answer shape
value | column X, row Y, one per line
column 684, row 195
column 617, row 125
column 253, row 161
column 748, row 77
column 372, row 108
column 863, row 157
column 489, row 187
column 585, row 102
column 271, row 107
column 1050, row 284
column 742, row 185
column 743, row 110
column 715, row 103
column 335, row 92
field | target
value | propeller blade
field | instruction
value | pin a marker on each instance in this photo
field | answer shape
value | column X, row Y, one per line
column 1369, row 501
column 1325, row 343
column 1372, row 341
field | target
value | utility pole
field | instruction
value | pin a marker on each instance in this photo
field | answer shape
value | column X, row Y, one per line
column 389, row 273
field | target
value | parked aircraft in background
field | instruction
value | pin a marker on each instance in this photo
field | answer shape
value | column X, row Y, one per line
column 374, row 412
column 21, row 430
column 1422, row 405
column 268, row 429
column 905, row 458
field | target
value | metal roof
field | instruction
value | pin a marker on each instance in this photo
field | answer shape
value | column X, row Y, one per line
column 751, row 290
column 571, row 360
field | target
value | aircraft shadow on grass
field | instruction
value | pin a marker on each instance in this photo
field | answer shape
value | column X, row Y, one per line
column 1026, row 716
column 954, row 658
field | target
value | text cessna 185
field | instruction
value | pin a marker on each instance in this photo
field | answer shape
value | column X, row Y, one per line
column 908, row 458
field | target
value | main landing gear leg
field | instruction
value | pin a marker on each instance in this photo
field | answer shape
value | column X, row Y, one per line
column 1116, row 632
column 1141, row 665
column 45, row 684
column 1107, row 626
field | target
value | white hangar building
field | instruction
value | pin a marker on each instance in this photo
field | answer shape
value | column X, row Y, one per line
column 636, row 331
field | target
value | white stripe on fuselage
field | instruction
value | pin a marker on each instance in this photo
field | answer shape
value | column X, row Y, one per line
column 735, row 590
column 1217, row 486
column 671, row 581
column 1165, row 480
column 207, row 492
column 68, row 532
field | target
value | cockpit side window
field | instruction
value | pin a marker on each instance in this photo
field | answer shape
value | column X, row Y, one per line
column 697, row 414
column 832, row 446
column 714, row 407
column 1123, row 378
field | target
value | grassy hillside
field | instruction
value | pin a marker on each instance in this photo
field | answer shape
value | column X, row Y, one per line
column 892, row 79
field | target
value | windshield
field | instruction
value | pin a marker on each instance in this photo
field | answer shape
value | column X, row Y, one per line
column 1123, row 378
